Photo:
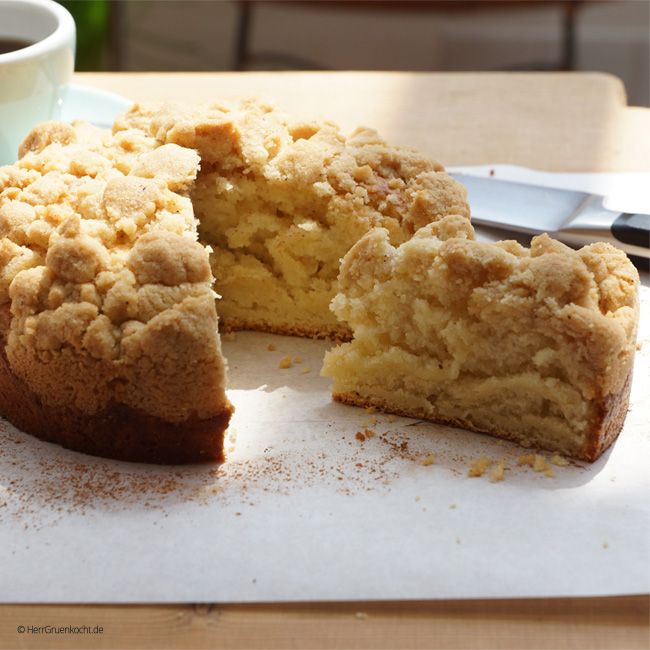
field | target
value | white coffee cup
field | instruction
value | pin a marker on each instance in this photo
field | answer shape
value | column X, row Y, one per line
column 33, row 79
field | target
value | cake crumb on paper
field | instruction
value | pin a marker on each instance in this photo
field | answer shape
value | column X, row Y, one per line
column 539, row 463
column 479, row 466
column 497, row 474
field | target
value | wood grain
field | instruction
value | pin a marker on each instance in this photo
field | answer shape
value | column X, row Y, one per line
column 565, row 122
column 597, row 623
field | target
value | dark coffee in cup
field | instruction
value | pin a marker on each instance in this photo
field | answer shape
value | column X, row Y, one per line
column 12, row 44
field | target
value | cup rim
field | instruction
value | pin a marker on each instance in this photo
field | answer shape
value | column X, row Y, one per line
column 61, row 36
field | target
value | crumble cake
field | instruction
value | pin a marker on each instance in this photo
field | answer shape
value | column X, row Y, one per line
column 531, row 345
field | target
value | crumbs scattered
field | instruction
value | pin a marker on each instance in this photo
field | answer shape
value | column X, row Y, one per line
column 538, row 464
column 497, row 474
column 479, row 466
column 429, row 460
column 285, row 363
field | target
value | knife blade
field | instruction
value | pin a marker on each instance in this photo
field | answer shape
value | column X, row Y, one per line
column 575, row 218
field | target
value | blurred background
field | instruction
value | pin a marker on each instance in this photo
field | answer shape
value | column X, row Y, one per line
column 454, row 35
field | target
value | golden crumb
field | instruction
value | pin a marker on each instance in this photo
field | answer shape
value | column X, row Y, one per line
column 560, row 461
column 479, row 466
column 417, row 498
column 605, row 544
column 458, row 540
column 370, row 410
column 228, row 336
column 297, row 359
column 364, row 424
column 285, row 363
column 540, row 464
column 391, row 418
column 452, row 506
column 429, row 460
column 271, row 347
column 360, row 436
column 369, row 433
column 373, row 420
column 305, row 370
column 497, row 474
column 527, row 459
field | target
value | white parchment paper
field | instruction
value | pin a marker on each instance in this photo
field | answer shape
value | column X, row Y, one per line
column 321, row 501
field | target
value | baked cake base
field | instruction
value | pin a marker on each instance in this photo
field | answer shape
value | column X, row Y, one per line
column 605, row 427
column 119, row 432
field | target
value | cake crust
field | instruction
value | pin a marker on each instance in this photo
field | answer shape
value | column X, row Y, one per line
column 118, row 431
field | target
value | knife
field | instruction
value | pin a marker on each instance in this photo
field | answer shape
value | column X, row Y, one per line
column 575, row 218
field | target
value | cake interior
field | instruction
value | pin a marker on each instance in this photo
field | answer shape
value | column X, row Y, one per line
column 280, row 200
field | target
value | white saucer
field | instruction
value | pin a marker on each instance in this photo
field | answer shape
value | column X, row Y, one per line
column 93, row 105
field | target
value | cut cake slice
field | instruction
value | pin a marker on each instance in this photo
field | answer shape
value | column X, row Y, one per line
column 531, row 345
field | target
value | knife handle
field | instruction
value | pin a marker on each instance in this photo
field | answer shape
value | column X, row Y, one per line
column 632, row 229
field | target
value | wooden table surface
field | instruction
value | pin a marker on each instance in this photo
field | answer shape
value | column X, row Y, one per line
column 570, row 122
